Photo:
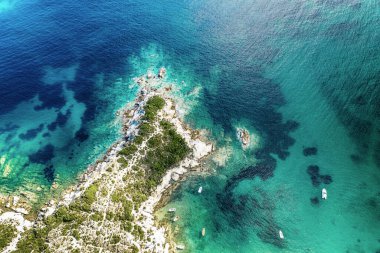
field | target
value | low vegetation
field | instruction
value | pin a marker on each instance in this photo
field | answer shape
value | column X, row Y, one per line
column 153, row 105
column 7, row 233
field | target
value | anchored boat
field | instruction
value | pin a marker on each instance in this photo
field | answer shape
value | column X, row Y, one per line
column 324, row 193
column 200, row 189
column 172, row 210
column 281, row 234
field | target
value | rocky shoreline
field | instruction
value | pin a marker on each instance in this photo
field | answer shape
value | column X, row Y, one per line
column 149, row 85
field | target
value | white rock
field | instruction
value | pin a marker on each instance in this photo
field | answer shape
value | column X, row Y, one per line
column 175, row 176
column 20, row 210
column 15, row 200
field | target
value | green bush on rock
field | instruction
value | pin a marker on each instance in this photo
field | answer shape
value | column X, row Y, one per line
column 153, row 105
column 7, row 233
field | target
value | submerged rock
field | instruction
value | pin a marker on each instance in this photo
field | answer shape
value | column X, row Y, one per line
column 243, row 136
column 308, row 151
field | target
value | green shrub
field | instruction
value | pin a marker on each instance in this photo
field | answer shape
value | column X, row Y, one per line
column 134, row 249
column 86, row 200
column 138, row 139
column 96, row 216
column 153, row 105
column 145, row 129
column 7, row 233
column 117, row 196
column 123, row 162
column 34, row 240
column 115, row 239
column 138, row 232
column 89, row 195
column 110, row 216
column 127, row 226
column 155, row 141
column 129, row 150
column 76, row 234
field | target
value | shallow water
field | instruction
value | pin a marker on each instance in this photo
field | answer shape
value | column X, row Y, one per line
column 296, row 74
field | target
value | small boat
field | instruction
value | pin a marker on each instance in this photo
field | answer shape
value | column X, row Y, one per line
column 176, row 218
column 200, row 189
column 172, row 210
column 324, row 193
column 180, row 246
column 281, row 234
column 203, row 231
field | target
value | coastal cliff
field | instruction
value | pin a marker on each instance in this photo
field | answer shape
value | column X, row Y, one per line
column 112, row 207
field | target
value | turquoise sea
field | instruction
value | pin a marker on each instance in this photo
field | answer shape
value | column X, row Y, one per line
column 302, row 76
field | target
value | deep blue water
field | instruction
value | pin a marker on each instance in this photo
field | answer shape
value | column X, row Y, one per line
column 298, row 74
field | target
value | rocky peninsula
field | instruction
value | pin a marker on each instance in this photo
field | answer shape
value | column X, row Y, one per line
column 111, row 209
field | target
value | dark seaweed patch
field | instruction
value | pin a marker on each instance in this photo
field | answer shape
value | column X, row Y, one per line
column 31, row 133
column 359, row 100
column 43, row 155
column 308, row 151
column 49, row 173
column 51, row 98
column 264, row 170
column 355, row 111
column 60, row 120
column 356, row 158
column 253, row 211
column 81, row 135
column 8, row 127
column 343, row 28
column 316, row 178
column 326, row 179
column 314, row 200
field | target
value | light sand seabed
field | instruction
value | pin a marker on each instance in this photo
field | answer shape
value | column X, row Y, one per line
column 200, row 149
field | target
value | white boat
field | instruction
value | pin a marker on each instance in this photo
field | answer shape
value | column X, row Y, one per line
column 281, row 234
column 175, row 218
column 172, row 210
column 200, row 189
column 203, row 231
column 180, row 246
column 324, row 193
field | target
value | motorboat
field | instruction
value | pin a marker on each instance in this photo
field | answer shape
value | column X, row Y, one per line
column 175, row 218
column 203, row 231
column 324, row 193
column 200, row 189
column 281, row 234
column 172, row 210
